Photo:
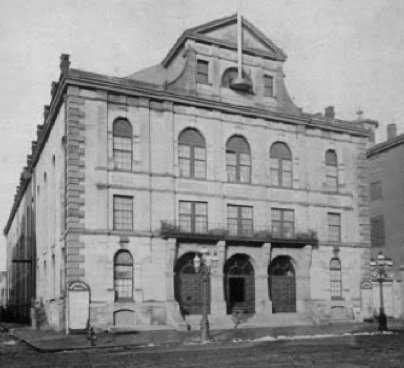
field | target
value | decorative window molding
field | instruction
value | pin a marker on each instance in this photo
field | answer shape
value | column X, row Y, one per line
column 192, row 154
column 240, row 220
column 283, row 223
column 331, row 164
column 281, row 170
column 269, row 90
column 202, row 71
column 238, row 160
column 122, row 212
column 123, row 276
column 335, row 279
column 193, row 217
column 122, row 144
column 334, row 227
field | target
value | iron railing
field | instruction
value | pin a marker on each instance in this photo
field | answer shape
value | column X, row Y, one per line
column 224, row 231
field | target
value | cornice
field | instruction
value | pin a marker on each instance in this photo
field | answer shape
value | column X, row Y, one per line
column 385, row 146
column 56, row 101
column 147, row 90
column 84, row 79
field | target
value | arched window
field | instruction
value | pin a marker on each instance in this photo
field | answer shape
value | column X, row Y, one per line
column 331, row 170
column 188, row 286
column 238, row 160
column 123, row 276
column 232, row 73
column 335, row 279
column 122, row 144
column 282, row 285
column 281, row 165
column 239, row 284
column 192, row 154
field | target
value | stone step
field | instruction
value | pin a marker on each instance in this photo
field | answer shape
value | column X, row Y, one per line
column 134, row 328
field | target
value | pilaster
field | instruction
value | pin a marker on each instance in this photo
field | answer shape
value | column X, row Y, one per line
column 218, row 303
column 75, row 189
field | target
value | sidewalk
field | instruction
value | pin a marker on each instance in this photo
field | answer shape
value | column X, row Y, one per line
column 49, row 341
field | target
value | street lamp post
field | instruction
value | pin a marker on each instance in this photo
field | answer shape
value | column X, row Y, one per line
column 381, row 272
column 206, row 265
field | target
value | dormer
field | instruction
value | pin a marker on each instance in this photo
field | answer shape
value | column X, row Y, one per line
column 228, row 60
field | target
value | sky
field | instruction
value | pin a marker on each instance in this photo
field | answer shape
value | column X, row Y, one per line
column 344, row 53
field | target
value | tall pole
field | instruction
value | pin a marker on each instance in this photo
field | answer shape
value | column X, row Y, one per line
column 239, row 45
column 382, row 315
column 205, row 322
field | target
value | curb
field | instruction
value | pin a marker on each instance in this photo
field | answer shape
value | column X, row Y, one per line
column 186, row 343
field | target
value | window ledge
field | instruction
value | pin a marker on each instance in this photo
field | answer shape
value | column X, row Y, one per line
column 278, row 187
column 205, row 84
column 122, row 170
column 191, row 178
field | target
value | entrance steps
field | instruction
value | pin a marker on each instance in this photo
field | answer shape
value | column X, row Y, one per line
column 117, row 329
column 194, row 322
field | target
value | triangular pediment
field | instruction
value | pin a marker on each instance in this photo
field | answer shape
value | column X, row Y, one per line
column 228, row 33
column 224, row 32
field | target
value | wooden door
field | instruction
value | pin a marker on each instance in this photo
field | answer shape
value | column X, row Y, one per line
column 189, row 287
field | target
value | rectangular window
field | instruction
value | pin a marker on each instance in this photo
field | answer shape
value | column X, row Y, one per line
column 122, row 153
column 281, row 172
column 334, row 227
column 200, row 162
column 193, row 217
column 240, row 220
column 377, row 231
column 335, row 278
column 202, row 71
column 231, row 166
column 268, row 86
column 376, row 191
column 245, row 168
column 283, row 223
column 184, row 158
column 123, row 213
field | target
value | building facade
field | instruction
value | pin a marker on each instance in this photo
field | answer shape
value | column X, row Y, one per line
column 386, row 180
column 131, row 177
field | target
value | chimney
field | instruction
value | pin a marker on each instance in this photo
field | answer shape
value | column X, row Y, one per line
column 64, row 63
column 45, row 112
column 329, row 112
column 39, row 130
column 54, row 87
column 391, row 131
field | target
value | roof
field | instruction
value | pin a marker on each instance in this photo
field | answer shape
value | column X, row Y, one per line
column 385, row 146
column 206, row 33
column 154, row 74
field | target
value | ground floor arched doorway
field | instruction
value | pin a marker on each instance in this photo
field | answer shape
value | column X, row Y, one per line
column 188, row 286
column 239, row 284
column 282, row 285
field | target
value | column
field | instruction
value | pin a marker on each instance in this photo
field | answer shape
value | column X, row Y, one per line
column 263, row 305
column 218, row 303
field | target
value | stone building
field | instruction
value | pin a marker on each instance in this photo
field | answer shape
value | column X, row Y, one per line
column 130, row 177
column 386, row 180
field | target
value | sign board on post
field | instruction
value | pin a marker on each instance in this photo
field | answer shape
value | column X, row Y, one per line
column 79, row 307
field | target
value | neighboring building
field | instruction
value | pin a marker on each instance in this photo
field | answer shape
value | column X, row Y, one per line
column 130, row 177
column 386, row 180
column 3, row 290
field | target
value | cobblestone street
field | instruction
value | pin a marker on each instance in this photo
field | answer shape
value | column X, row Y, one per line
column 353, row 351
